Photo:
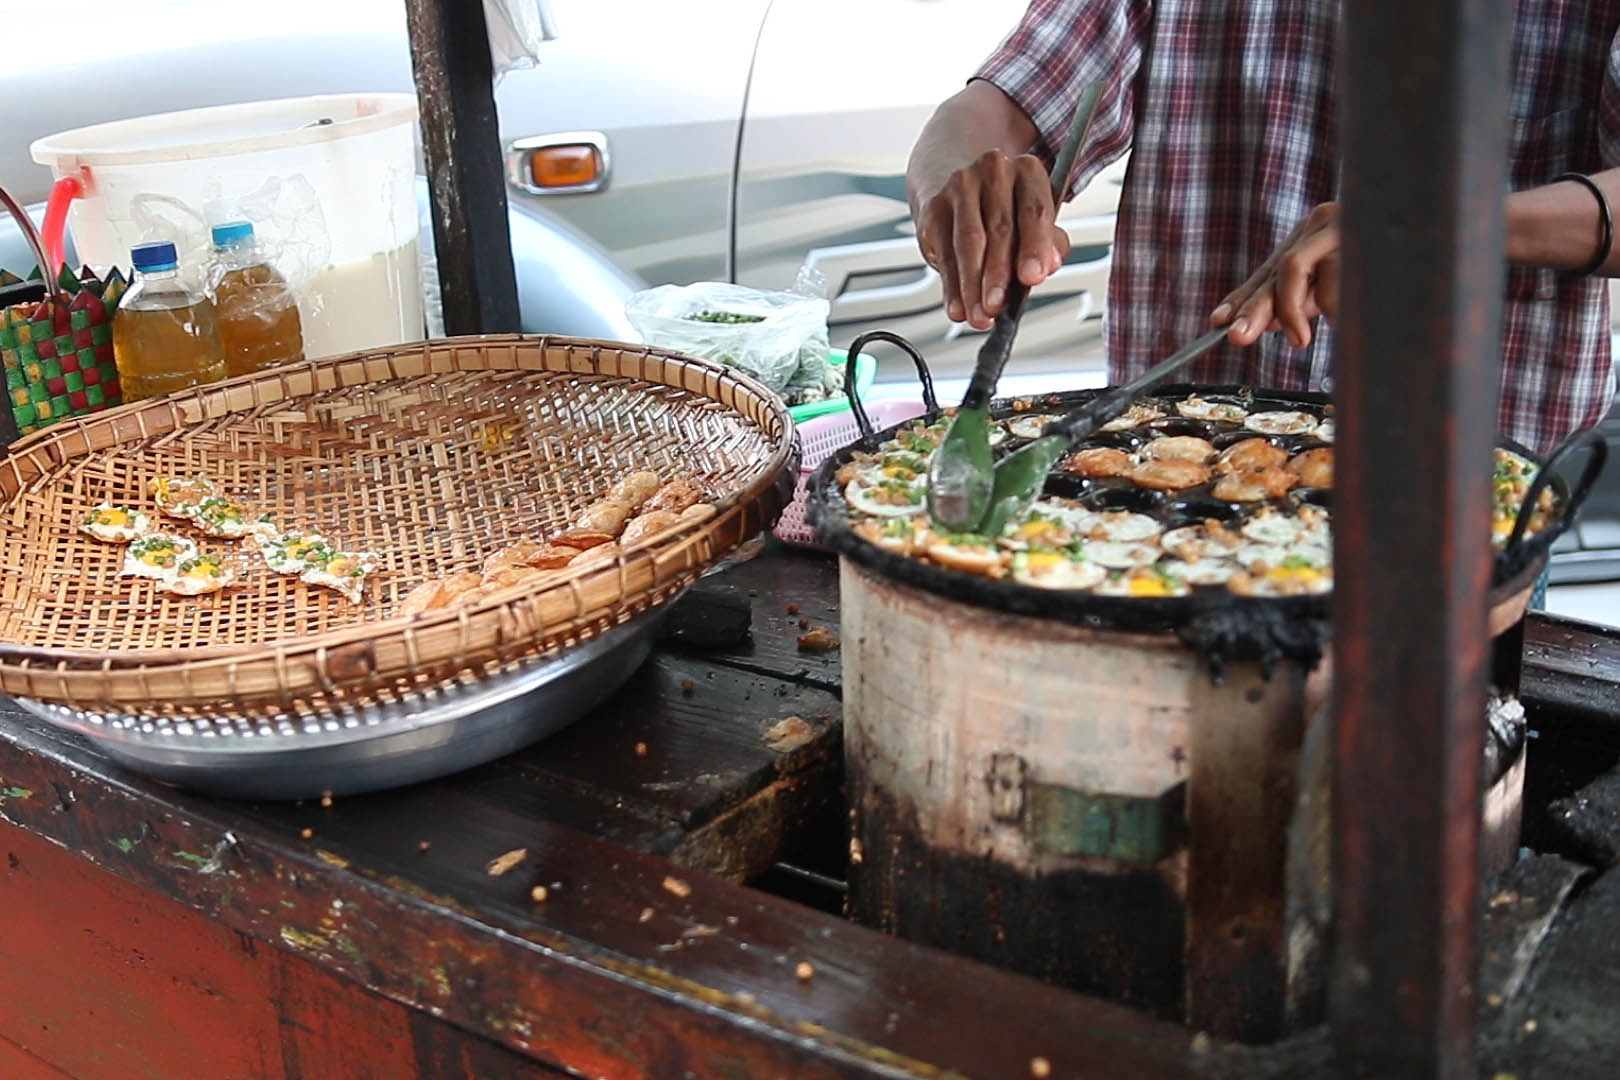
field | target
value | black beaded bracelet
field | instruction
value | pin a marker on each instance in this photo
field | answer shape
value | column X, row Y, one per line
column 1607, row 246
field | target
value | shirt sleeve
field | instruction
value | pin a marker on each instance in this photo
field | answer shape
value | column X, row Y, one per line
column 1058, row 48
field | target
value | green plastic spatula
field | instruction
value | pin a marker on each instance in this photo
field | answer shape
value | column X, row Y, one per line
column 959, row 478
column 1021, row 475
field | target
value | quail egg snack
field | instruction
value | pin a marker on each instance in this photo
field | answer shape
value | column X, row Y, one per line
column 1202, row 493
column 115, row 524
column 182, row 568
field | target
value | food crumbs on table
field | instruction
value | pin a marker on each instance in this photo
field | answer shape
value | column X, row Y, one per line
column 789, row 734
column 1039, row 1067
column 1494, row 1000
column 804, row 624
column 423, row 845
column 1530, row 1027
column 500, row 864
column 687, row 686
column 306, row 833
column 326, row 799
column 793, row 609
column 678, row 887
column 641, row 749
column 538, row 894
column 646, row 915
column 818, row 639
column 804, row 972
column 1504, row 898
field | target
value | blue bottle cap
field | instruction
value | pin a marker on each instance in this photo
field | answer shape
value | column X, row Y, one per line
column 232, row 232
column 150, row 257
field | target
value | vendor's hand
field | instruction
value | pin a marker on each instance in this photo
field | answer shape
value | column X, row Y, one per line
column 989, row 217
column 1299, row 282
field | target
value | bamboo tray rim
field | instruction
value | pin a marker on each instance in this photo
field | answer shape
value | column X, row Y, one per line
column 509, row 623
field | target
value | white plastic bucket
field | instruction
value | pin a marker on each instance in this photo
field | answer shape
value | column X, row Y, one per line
column 328, row 182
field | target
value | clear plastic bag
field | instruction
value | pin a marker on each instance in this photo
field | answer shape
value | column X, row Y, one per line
column 516, row 30
column 780, row 338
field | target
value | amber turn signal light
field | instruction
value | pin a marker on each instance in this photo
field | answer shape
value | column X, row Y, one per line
column 570, row 166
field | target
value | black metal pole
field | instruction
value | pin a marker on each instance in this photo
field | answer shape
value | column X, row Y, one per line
column 461, row 141
column 1425, row 143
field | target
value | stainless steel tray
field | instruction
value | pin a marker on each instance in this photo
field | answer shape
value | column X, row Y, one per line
column 440, row 731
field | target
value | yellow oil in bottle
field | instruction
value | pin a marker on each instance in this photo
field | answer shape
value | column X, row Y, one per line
column 259, row 325
column 164, row 335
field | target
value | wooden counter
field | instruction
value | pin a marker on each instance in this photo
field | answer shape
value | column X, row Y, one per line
column 145, row 932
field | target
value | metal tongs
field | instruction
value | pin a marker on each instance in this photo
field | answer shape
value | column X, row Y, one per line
column 960, row 476
column 1020, row 476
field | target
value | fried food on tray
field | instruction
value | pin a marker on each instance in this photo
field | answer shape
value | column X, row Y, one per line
column 506, row 576
column 1253, row 484
column 1249, row 454
column 598, row 523
column 200, row 574
column 653, row 521
column 425, row 597
column 598, row 533
column 115, row 524
column 636, row 488
column 1169, row 474
column 1314, row 467
column 531, row 553
column 676, row 495
column 1099, row 461
column 439, row 593
column 582, row 540
column 1179, row 448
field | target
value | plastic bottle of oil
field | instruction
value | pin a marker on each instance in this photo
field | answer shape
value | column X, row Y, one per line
column 259, row 325
column 164, row 334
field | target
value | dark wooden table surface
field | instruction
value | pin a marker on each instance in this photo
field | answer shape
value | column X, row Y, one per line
column 148, row 933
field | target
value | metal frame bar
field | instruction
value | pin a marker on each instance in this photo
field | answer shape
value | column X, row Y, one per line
column 1425, row 137
column 455, row 86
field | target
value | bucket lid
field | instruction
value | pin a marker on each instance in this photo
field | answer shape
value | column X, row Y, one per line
column 223, row 130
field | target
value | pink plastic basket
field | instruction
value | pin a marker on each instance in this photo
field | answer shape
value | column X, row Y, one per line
column 823, row 436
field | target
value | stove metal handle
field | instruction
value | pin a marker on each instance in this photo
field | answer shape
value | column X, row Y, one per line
column 924, row 377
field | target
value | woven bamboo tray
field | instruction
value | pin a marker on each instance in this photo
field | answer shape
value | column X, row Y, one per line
column 433, row 455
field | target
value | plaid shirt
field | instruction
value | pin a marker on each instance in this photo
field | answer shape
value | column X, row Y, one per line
column 1230, row 110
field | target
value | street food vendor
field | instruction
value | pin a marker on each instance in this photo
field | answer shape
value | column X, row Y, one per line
column 1230, row 113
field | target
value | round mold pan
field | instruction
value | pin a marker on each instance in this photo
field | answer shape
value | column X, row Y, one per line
column 1067, row 485
column 1311, row 496
column 1180, row 425
column 1122, row 495
column 1272, row 402
column 829, row 515
column 1129, row 441
column 1192, row 509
